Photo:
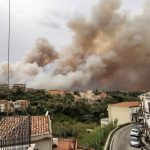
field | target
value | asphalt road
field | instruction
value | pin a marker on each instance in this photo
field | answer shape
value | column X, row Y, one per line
column 121, row 140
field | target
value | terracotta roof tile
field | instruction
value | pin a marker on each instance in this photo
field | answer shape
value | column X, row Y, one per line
column 39, row 124
column 7, row 124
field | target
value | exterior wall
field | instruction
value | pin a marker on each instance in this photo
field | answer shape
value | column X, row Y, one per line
column 21, row 104
column 55, row 92
column 145, row 100
column 87, row 95
column 147, row 119
column 45, row 141
column 134, row 110
column 134, row 114
column 45, row 144
column 2, row 107
column 4, row 88
column 122, row 114
column 18, row 86
column 6, row 106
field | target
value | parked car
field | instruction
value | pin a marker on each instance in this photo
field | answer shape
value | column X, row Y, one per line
column 140, row 126
column 135, row 141
column 135, row 132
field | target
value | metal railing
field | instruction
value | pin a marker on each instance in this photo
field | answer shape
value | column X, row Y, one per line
column 15, row 132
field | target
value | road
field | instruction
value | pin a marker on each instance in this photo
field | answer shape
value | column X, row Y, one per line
column 121, row 140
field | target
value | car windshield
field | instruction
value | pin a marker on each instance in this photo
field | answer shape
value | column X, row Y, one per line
column 135, row 139
column 134, row 130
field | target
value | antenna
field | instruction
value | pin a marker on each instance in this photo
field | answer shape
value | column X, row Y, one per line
column 47, row 113
column 9, row 52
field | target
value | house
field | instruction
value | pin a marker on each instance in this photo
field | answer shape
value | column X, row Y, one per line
column 21, row 131
column 15, row 132
column 21, row 104
column 55, row 92
column 124, row 112
column 145, row 99
column 15, row 87
column 6, row 106
column 4, row 88
column 41, row 132
column 145, row 106
column 91, row 97
column 102, row 95
column 87, row 94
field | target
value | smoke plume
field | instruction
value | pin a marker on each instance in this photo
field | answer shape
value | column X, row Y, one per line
column 109, row 50
column 42, row 54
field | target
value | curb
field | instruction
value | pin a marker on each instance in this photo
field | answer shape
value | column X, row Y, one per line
column 108, row 144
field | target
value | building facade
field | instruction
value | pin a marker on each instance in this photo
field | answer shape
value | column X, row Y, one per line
column 21, row 104
column 41, row 132
column 15, row 87
column 145, row 113
column 55, row 92
column 6, row 106
column 4, row 88
column 124, row 112
column 145, row 99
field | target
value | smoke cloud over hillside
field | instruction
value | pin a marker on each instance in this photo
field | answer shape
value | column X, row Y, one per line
column 108, row 50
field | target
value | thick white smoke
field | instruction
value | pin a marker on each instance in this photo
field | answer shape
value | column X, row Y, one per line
column 109, row 50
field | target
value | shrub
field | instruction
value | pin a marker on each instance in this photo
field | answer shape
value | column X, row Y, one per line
column 98, row 137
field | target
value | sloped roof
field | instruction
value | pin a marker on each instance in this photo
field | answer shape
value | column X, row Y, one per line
column 5, row 102
column 127, row 104
column 40, row 125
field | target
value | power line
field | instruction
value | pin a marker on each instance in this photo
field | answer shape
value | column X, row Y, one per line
column 9, row 23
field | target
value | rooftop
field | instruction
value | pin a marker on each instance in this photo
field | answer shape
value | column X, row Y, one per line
column 22, row 100
column 14, row 131
column 127, row 104
column 5, row 102
column 40, row 125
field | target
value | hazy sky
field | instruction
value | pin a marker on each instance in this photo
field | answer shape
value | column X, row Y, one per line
column 33, row 19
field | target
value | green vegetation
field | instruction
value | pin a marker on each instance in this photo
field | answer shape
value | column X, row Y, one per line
column 71, row 129
column 98, row 137
column 70, row 117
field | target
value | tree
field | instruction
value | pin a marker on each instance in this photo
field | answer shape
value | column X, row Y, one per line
column 96, row 92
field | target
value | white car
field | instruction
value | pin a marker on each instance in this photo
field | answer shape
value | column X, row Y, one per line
column 135, row 132
column 135, row 141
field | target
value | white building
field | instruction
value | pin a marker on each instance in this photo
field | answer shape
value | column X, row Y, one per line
column 6, row 106
column 145, row 98
column 124, row 112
